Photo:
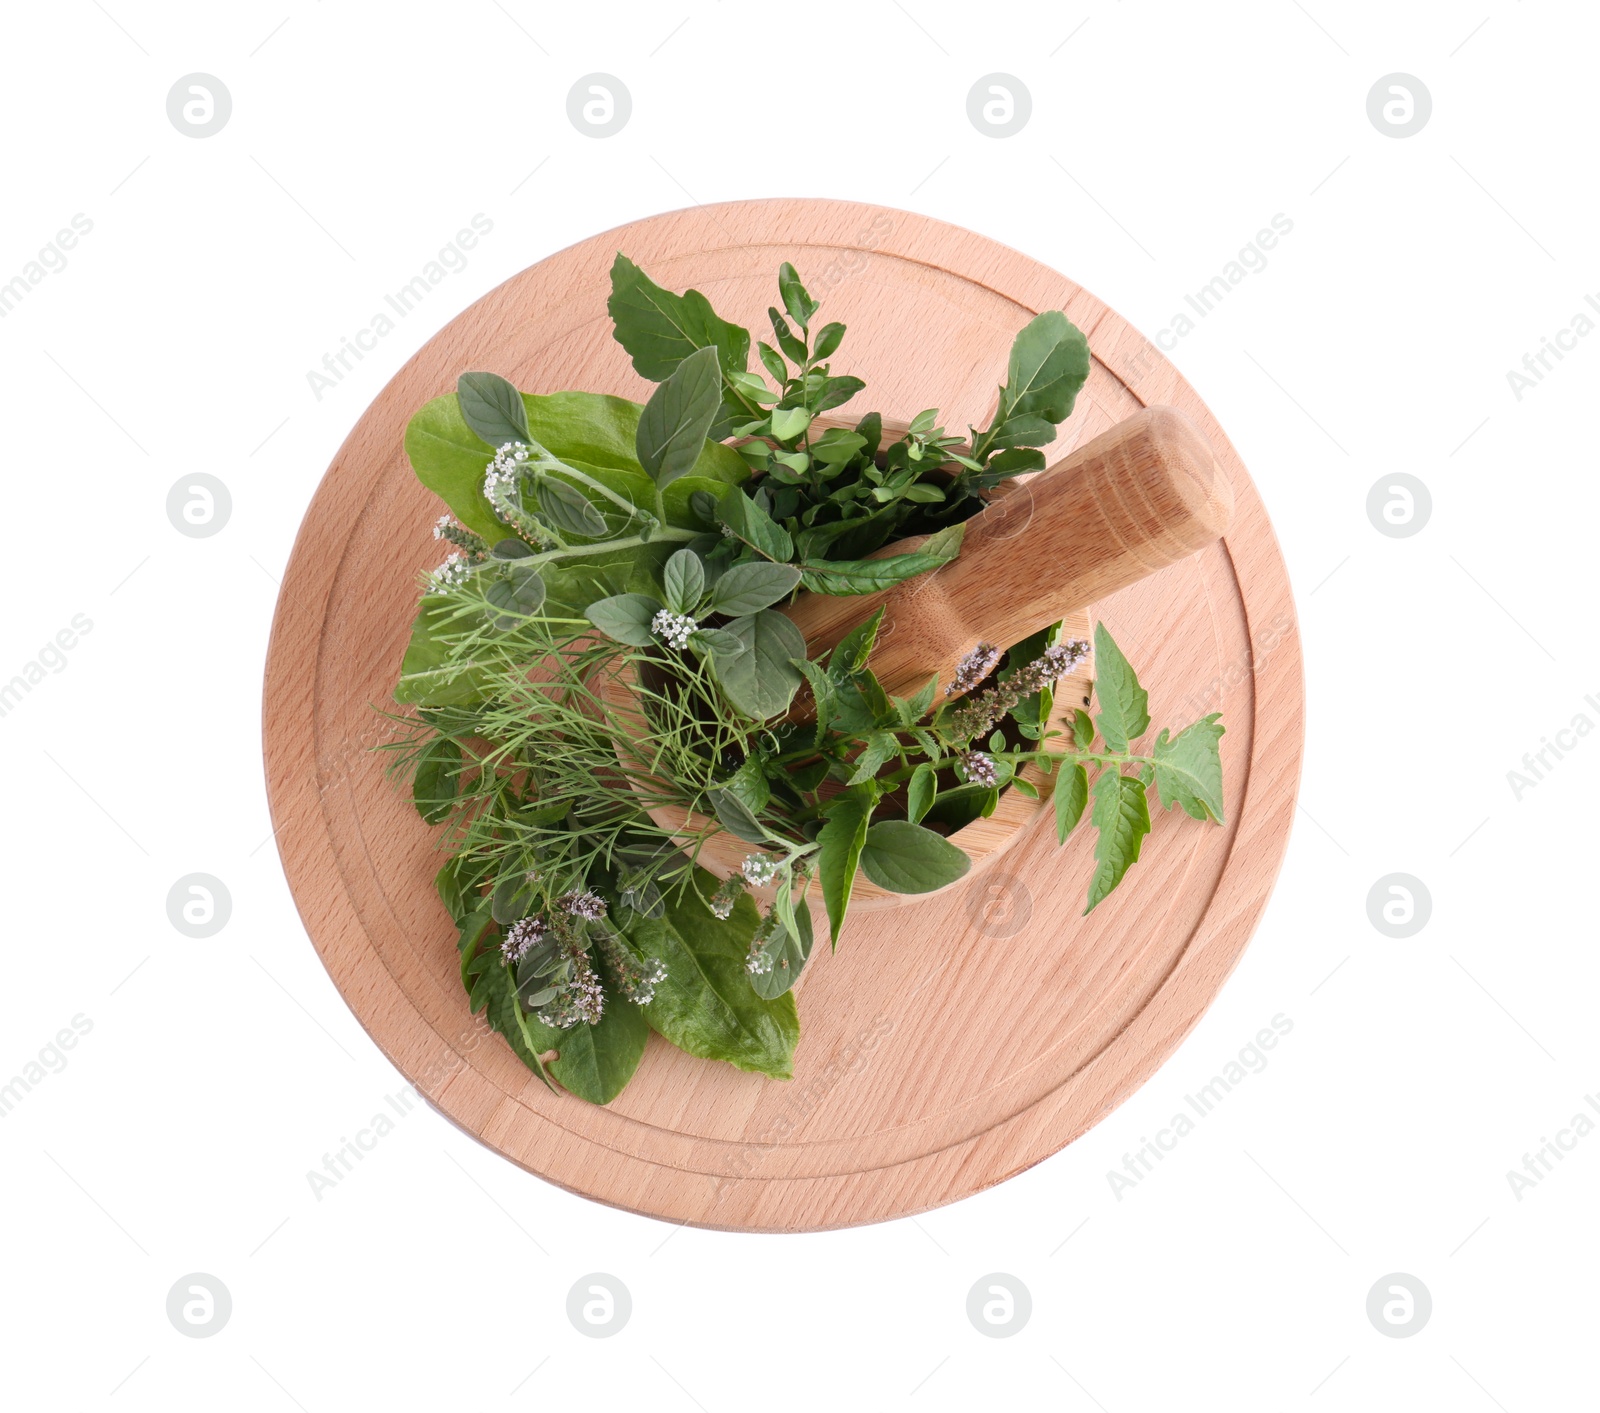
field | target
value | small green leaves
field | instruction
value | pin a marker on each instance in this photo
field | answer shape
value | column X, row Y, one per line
column 1082, row 729
column 762, row 680
column 625, row 617
column 685, row 580
column 1071, row 795
column 437, row 779
column 789, row 947
column 907, row 858
column 1122, row 817
column 748, row 588
column 1188, row 768
column 795, row 299
column 1123, row 702
column 493, row 408
column 680, row 413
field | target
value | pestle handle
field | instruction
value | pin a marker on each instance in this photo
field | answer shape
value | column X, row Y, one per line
column 1137, row 498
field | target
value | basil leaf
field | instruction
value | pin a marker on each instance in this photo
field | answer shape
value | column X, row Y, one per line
column 1071, row 795
column 839, row 850
column 493, row 408
column 907, row 858
column 1122, row 815
column 921, row 791
column 595, row 1062
column 685, row 580
column 625, row 617
column 752, row 525
column 1049, row 363
column 437, row 780
column 1123, row 715
column 749, row 588
column 679, row 414
column 565, row 507
column 1188, row 768
column 705, row 1005
column 491, row 990
column 762, row 680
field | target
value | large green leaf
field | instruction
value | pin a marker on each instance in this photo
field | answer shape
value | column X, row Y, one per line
column 595, row 1062
column 1188, row 768
column 1123, row 715
column 591, row 432
column 839, row 851
column 762, row 680
column 492, row 407
column 751, row 524
column 749, row 588
column 1122, row 815
column 706, row 1005
column 907, row 858
column 1049, row 364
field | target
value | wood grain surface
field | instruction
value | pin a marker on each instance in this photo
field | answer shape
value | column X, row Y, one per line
column 951, row 1042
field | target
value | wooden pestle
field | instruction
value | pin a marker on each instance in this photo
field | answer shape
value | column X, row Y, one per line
column 1139, row 497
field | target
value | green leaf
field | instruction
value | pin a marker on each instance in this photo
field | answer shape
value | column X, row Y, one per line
column 1015, row 461
column 795, row 299
column 1071, row 796
column 836, row 392
column 1082, row 729
column 437, row 779
column 1123, row 715
column 839, row 850
column 432, row 672
column 716, row 641
column 918, row 706
column 748, row 588
column 705, row 1005
column 1049, row 363
column 679, row 414
column 789, row 948
column 493, row 408
column 1188, row 768
column 762, row 681
column 828, row 339
column 908, row 858
column 512, row 897
column 491, row 990
column 753, row 526
column 1026, row 431
column 1122, row 815
column 625, row 618
column 737, row 818
column 519, row 593
column 660, row 329
column 865, row 576
column 590, row 432
column 850, row 655
column 789, row 422
column 564, row 506
column 921, row 791
column 793, row 349
column 685, row 580
column 880, row 749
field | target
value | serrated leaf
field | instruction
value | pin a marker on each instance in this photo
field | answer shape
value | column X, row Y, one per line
column 1071, row 796
column 749, row 588
column 1188, row 768
column 1124, row 714
column 908, row 858
column 880, row 749
column 625, row 618
column 852, row 650
column 1122, row 817
column 685, row 580
column 493, row 408
column 839, row 844
column 675, row 421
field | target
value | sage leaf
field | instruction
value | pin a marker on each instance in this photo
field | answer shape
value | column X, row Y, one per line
column 749, row 523
column 705, row 1005
column 1071, row 796
column 437, row 780
column 685, row 581
column 1188, row 768
column 1123, row 702
column 762, row 680
column 679, row 414
column 749, row 588
column 594, row 1062
column 625, row 618
column 909, row 858
column 839, row 846
column 493, row 408
column 565, row 507
column 1122, row 816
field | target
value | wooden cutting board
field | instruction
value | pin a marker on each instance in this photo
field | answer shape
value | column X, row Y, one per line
column 951, row 1042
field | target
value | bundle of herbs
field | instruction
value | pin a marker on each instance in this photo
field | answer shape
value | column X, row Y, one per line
column 605, row 644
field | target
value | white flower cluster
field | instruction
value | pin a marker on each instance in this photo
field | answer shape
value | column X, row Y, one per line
column 673, row 628
column 500, row 480
column 521, row 937
column 759, row 869
column 450, row 573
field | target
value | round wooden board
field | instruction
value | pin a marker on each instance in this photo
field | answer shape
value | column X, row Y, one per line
column 950, row 1042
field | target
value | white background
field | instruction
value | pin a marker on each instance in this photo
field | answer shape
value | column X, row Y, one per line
column 177, row 340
